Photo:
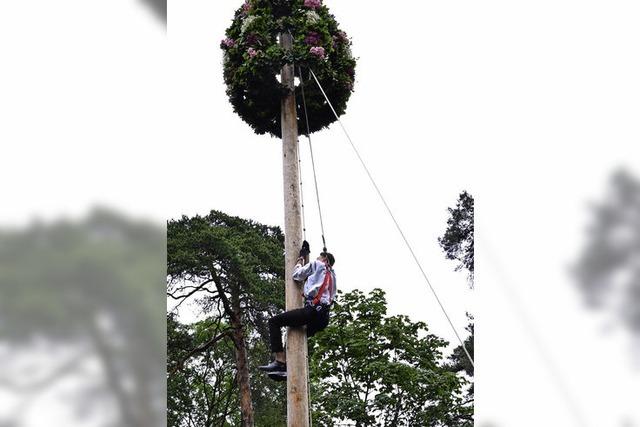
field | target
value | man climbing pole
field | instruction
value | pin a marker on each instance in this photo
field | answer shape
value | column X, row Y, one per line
column 319, row 293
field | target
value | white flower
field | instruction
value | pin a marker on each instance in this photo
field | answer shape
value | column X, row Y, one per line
column 312, row 16
column 246, row 22
column 348, row 52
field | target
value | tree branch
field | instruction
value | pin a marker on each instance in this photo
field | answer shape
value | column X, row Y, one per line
column 199, row 349
column 64, row 369
column 195, row 289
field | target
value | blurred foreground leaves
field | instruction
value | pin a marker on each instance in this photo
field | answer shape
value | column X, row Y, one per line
column 608, row 269
column 82, row 301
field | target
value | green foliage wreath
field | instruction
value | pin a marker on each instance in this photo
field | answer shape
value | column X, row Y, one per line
column 253, row 60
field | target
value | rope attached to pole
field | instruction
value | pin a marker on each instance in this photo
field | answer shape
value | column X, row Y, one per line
column 304, row 225
column 313, row 163
column 415, row 258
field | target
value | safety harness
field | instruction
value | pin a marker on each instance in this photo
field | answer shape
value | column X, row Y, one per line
column 328, row 281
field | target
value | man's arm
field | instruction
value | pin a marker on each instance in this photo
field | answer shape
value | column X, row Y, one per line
column 334, row 291
column 301, row 272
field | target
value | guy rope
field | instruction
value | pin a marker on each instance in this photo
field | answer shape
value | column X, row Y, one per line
column 375, row 186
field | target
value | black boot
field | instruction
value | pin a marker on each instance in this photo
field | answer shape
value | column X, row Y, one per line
column 278, row 376
column 274, row 366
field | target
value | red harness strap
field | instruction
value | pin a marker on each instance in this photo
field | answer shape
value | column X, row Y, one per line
column 327, row 282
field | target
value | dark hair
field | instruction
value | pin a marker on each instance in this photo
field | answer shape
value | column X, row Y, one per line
column 329, row 257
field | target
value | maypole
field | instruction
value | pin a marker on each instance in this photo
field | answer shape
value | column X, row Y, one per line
column 269, row 38
column 297, row 402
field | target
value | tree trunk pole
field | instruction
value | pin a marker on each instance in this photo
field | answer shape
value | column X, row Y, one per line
column 242, row 362
column 297, row 402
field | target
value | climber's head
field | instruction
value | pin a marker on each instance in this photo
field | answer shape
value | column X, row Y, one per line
column 327, row 257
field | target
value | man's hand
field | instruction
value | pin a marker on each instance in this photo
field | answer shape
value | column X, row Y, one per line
column 305, row 250
column 299, row 264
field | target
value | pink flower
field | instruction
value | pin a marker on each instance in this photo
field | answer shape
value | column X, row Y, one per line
column 339, row 38
column 317, row 51
column 252, row 52
column 312, row 4
column 228, row 43
column 312, row 38
column 246, row 7
column 252, row 39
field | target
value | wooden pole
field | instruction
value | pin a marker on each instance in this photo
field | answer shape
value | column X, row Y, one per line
column 297, row 402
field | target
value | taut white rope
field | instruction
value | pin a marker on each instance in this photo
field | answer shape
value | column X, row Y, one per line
column 415, row 258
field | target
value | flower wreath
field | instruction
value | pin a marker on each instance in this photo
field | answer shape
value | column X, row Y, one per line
column 253, row 60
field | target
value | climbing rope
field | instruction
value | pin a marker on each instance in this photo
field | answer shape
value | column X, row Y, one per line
column 313, row 163
column 304, row 225
column 415, row 258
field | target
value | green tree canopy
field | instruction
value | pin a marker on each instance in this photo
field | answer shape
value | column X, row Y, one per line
column 366, row 368
column 457, row 241
column 234, row 253
column 204, row 390
column 234, row 268
column 378, row 370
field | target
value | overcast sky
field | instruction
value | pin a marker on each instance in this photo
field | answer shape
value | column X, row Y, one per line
column 528, row 106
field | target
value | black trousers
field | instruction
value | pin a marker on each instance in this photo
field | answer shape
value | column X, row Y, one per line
column 315, row 320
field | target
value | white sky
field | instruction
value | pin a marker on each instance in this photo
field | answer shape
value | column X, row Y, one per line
column 529, row 106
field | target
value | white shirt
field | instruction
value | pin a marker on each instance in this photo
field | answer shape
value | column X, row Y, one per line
column 314, row 273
